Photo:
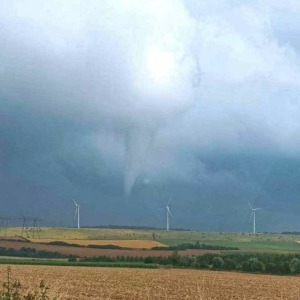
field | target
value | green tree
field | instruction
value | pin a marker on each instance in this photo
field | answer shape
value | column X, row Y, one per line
column 175, row 258
column 255, row 265
column 217, row 263
column 229, row 264
column 295, row 265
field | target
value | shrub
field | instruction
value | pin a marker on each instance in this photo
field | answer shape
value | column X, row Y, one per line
column 217, row 263
column 149, row 260
column 11, row 290
column 254, row 265
column 229, row 264
column 175, row 258
column 295, row 265
column 72, row 258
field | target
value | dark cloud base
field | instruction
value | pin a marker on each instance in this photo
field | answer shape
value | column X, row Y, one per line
column 42, row 171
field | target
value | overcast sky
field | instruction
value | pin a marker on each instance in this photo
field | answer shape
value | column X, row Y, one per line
column 122, row 104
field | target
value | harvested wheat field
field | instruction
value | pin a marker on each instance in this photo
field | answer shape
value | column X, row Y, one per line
column 134, row 244
column 117, row 283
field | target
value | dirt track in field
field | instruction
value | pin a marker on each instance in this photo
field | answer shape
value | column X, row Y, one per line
column 88, row 252
column 84, row 283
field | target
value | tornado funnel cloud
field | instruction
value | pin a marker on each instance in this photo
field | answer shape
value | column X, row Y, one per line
column 138, row 142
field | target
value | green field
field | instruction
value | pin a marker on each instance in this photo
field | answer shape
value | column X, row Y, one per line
column 246, row 242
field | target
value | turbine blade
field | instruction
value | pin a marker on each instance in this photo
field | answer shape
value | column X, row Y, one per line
column 250, row 205
column 168, row 209
column 75, row 211
column 75, row 202
column 251, row 216
column 169, row 200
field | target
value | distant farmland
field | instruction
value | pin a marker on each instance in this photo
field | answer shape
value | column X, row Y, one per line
column 89, row 252
column 245, row 242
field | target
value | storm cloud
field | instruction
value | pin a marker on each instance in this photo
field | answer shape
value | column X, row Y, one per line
column 120, row 104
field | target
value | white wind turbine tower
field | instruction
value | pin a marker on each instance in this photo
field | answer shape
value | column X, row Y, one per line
column 77, row 212
column 253, row 216
column 168, row 212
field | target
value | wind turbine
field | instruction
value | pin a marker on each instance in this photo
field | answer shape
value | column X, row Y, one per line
column 168, row 212
column 77, row 212
column 253, row 216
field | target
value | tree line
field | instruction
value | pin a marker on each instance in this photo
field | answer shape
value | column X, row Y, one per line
column 267, row 263
column 31, row 252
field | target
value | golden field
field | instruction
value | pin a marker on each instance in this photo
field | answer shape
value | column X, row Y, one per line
column 85, row 283
column 134, row 244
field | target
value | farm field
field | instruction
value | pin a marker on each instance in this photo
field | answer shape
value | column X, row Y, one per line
column 89, row 252
column 246, row 242
column 112, row 283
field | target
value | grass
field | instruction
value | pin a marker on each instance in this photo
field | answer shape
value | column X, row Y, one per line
column 250, row 245
column 245, row 242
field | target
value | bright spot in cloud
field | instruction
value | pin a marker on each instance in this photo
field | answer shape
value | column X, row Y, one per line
column 160, row 64
column 147, row 181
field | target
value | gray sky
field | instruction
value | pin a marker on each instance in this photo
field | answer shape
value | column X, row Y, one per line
column 121, row 104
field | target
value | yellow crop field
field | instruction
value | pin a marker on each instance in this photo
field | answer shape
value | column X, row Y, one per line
column 85, row 283
column 135, row 244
